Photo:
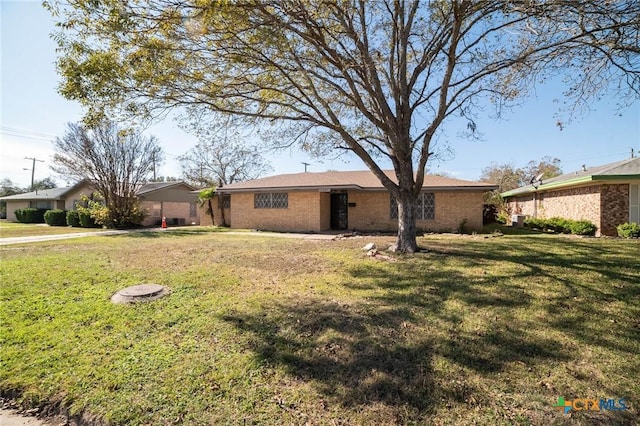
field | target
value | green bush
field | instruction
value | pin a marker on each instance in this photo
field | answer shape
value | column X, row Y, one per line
column 582, row 227
column 86, row 221
column 629, row 230
column 30, row 215
column 559, row 225
column 55, row 217
column 502, row 218
column 73, row 218
column 562, row 226
column 533, row 223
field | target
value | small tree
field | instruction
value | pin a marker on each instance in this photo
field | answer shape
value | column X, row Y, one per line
column 116, row 161
column 204, row 198
column 509, row 177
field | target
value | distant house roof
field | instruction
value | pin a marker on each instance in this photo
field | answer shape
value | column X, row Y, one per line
column 59, row 193
column 157, row 186
column 363, row 180
column 44, row 194
column 625, row 169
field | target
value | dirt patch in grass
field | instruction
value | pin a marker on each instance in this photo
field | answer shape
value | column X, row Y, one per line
column 277, row 331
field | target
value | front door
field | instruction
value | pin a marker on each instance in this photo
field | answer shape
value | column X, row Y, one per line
column 339, row 210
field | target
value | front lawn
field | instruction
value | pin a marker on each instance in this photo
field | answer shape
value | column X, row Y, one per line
column 15, row 229
column 479, row 330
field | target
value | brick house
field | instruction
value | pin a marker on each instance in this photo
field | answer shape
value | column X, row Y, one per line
column 317, row 202
column 606, row 195
column 54, row 198
column 176, row 201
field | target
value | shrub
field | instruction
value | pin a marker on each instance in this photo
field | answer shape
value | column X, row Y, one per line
column 502, row 218
column 533, row 223
column 86, row 221
column 462, row 227
column 629, row 230
column 55, row 217
column 559, row 225
column 73, row 218
column 30, row 215
column 562, row 225
column 582, row 227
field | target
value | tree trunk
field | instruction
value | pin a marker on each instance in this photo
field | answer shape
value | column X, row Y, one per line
column 222, row 218
column 211, row 212
column 406, row 242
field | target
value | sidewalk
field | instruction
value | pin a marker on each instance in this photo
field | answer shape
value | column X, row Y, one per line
column 40, row 238
column 13, row 418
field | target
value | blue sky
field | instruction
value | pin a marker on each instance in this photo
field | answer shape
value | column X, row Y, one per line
column 33, row 113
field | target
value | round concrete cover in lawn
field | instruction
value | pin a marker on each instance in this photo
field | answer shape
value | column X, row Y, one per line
column 140, row 293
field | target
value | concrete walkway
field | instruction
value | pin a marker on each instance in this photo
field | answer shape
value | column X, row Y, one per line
column 40, row 238
column 13, row 418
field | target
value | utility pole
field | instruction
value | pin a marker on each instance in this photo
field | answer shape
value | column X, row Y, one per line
column 305, row 166
column 33, row 168
column 153, row 158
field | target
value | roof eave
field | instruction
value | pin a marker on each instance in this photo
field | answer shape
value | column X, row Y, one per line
column 566, row 183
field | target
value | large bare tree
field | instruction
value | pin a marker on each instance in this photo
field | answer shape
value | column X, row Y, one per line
column 116, row 161
column 378, row 78
column 222, row 155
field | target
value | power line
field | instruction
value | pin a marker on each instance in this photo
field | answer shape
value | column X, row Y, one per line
column 27, row 134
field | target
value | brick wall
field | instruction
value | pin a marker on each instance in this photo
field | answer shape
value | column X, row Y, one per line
column 311, row 211
column 614, row 205
column 303, row 213
column 573, row 203
column 604, row 205
column 522, row 205
column 372, row 211
column 12, row 206
column 205, row 219
column 169, row 210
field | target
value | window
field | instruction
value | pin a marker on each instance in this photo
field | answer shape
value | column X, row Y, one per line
column 193, row 209
column 275, row 200
column 425, row 208
column 156, row 210
column 224, row 201
column 41, row 204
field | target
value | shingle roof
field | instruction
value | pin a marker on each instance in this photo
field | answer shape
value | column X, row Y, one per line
column 155, row 186
column 625, row 169
column 59, row 193
column 363, row 179
column 43, row 194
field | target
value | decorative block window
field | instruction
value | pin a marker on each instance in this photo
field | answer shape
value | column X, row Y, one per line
column 271, row 200
column 193, row 209
column 425, row 208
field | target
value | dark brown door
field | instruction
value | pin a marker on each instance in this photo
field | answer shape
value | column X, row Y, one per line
column 339, row 211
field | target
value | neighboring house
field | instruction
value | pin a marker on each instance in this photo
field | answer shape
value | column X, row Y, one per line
column 606, row 195
column 176, row 201
column 54, row 198
column 316, row 202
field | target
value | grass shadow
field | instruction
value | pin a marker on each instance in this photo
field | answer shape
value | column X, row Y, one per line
column 354, row 354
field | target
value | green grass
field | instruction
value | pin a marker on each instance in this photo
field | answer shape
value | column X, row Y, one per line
column 15, row 229
column 478, row 330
